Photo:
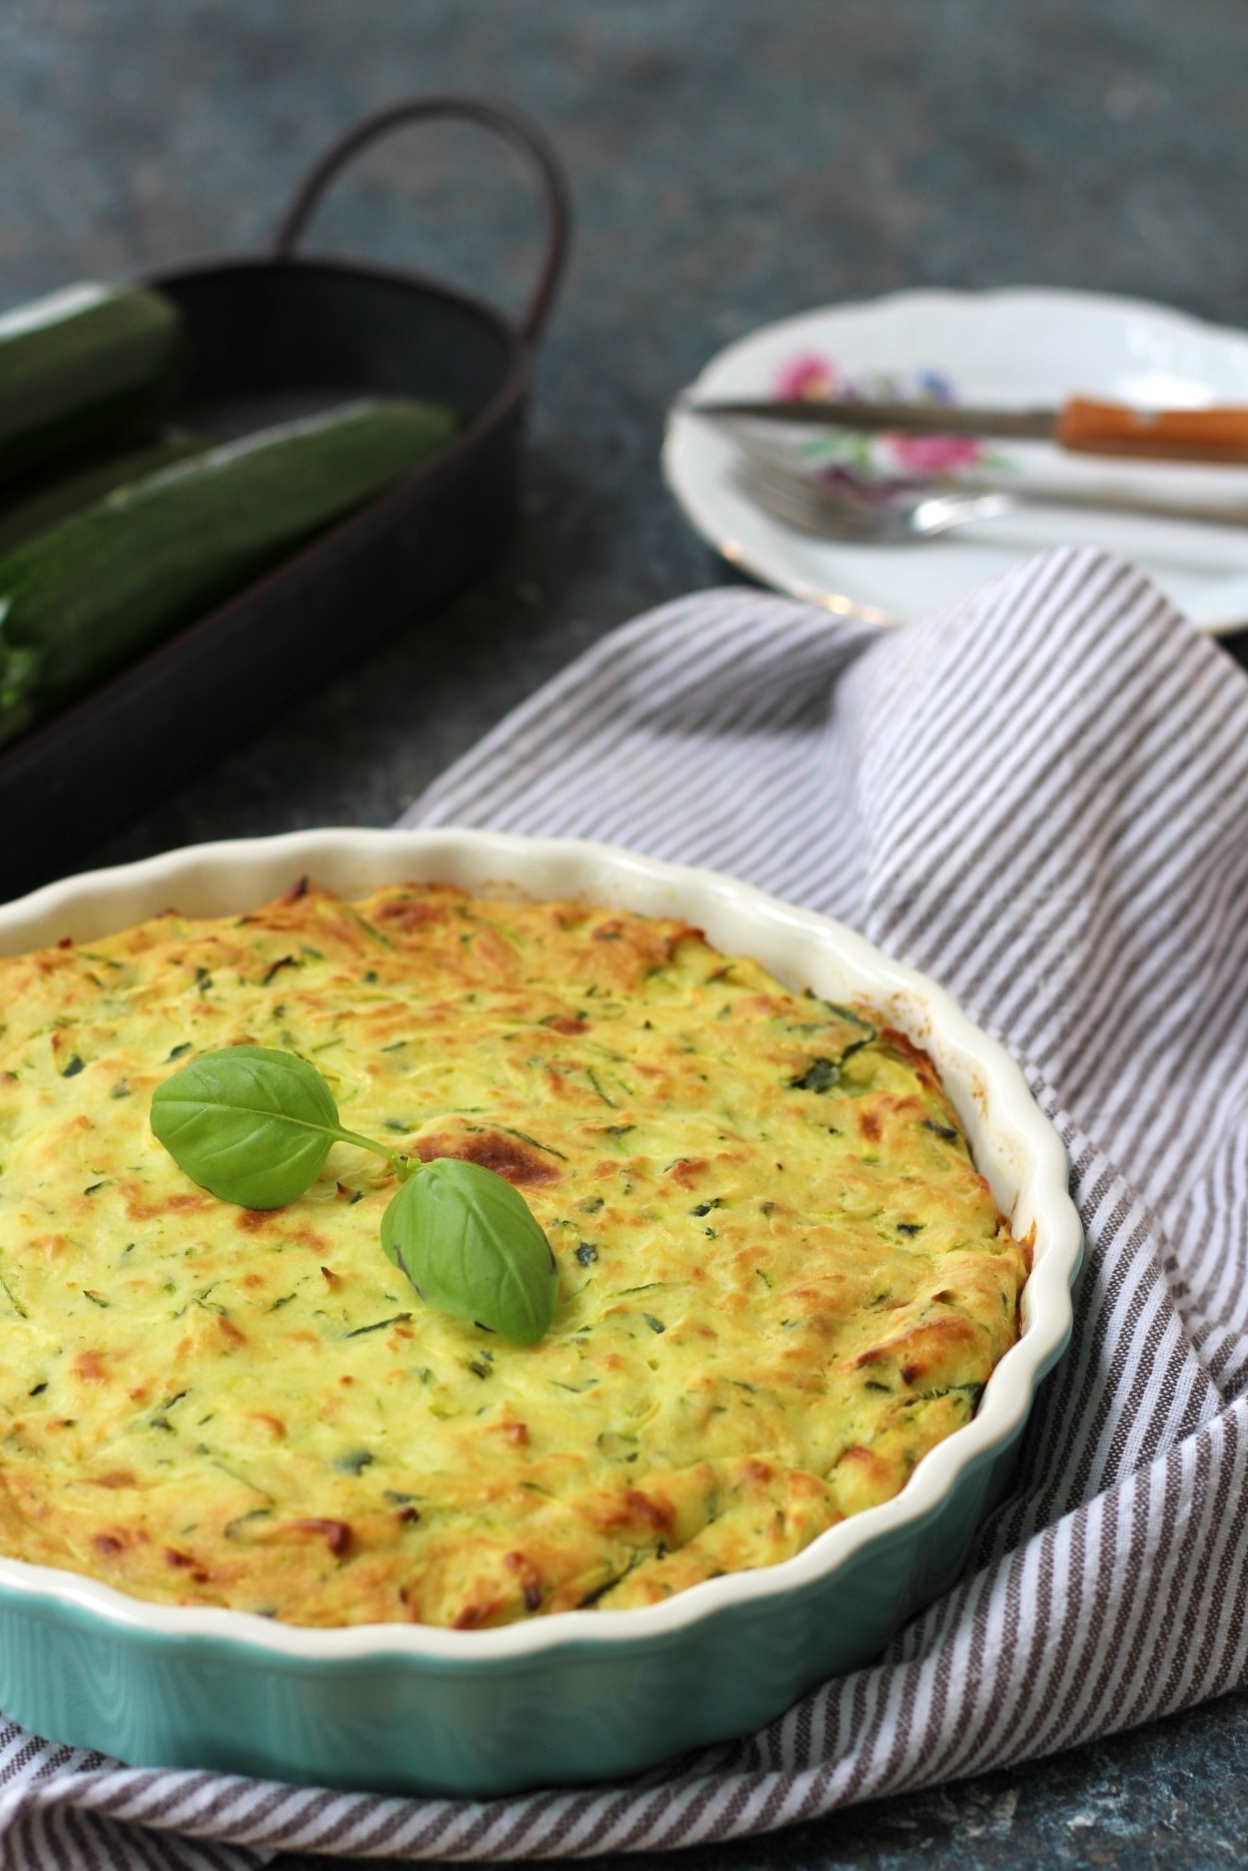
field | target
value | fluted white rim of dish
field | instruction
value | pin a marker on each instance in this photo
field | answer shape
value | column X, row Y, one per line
column 1015, row 1147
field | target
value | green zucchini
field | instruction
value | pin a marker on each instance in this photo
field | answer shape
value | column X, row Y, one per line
column 40, row 504
column 81, row 367
column 91, row 593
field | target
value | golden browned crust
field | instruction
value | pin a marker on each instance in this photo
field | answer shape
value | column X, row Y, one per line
column 782, row 1278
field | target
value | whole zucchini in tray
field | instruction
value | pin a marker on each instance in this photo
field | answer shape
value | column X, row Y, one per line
column 91, row 593
column 80, row 367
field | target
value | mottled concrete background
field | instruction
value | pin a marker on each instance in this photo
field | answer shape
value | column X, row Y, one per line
column 732, row 160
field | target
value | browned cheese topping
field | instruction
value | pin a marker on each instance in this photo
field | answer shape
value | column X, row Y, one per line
column 782, row 1278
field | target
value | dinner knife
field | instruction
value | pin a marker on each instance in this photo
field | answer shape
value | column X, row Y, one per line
column 1083, row 425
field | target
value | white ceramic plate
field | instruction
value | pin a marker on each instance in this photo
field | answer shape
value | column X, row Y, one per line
column 1019, row 348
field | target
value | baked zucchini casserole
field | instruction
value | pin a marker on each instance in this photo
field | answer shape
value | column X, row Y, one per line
column 781, row 1278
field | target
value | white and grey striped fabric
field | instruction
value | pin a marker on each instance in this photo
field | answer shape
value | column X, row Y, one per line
column 1041, row 798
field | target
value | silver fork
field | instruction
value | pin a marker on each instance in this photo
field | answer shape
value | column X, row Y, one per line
column 895, row 514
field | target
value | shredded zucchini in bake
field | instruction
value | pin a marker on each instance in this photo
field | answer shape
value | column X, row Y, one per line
column 782, row 1279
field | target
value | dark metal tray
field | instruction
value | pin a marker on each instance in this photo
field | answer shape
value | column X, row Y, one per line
column 269, row 338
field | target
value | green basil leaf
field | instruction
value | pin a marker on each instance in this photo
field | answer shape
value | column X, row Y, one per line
column 471, row 1245
column 251, row 1125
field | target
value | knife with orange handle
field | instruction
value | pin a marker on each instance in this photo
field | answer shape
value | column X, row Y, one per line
column 1083, row 425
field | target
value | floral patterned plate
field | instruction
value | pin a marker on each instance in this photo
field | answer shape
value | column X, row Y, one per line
column 1017, row 348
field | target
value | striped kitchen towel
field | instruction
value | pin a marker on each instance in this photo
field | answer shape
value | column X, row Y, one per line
column 1041, row 798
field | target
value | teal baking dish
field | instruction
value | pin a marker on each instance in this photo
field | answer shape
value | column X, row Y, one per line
column 583, row 1695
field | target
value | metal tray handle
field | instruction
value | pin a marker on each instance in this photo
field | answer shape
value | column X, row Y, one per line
column 490, row 114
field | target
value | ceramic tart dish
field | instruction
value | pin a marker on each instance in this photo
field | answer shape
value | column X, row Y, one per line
column 574, row 1695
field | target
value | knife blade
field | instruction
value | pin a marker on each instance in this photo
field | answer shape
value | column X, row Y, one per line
column 1082, row 425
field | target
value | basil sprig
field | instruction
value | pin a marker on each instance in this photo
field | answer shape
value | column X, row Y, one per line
column 471, row 1245
column 254, row 1126
column 251, row 1125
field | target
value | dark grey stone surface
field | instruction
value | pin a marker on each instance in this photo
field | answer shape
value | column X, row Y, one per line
column 732, row 160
